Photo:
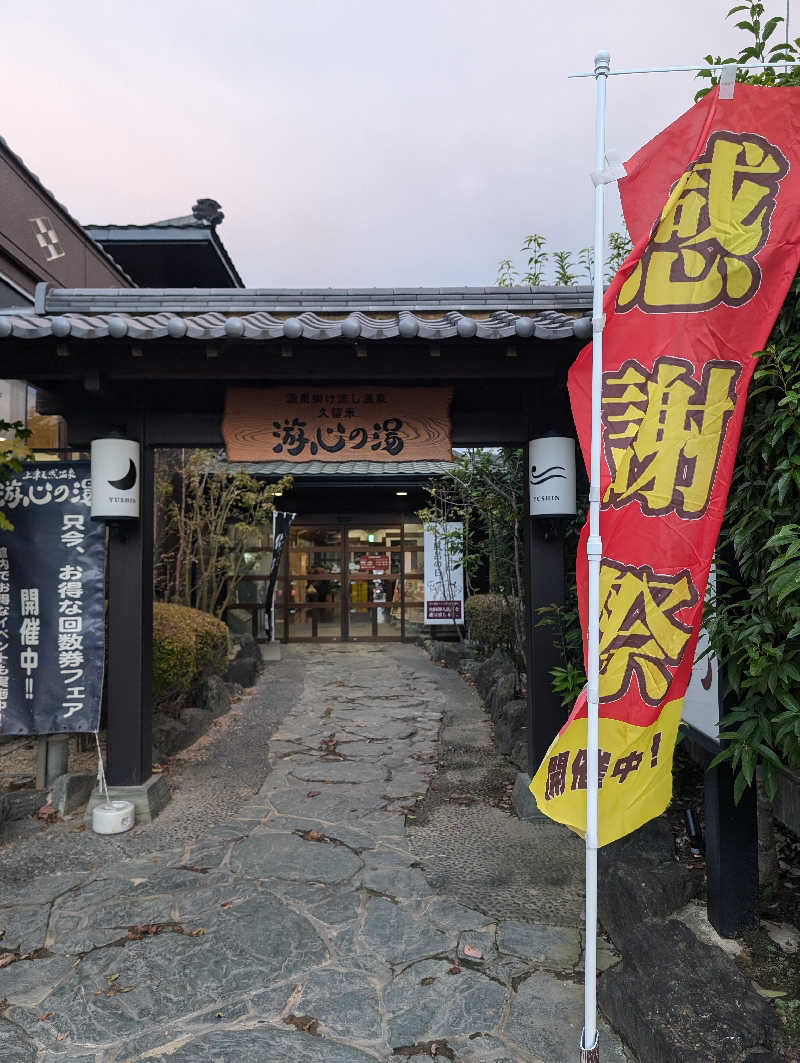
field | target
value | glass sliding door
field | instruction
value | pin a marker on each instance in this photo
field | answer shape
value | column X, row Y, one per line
column 374, row 575
column 312, row 585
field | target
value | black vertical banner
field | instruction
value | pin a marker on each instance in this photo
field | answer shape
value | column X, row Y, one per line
column 283, row 522
column 52, row 602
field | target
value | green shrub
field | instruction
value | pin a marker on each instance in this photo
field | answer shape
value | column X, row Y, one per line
column 211, row 645
column 490, row 621
column 188, row 646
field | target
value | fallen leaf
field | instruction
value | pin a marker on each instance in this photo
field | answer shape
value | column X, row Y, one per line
column 472, row 952
column 306, row 1023
column 7, row 957
column 43, row 1016
column 427, row 981
column 196, row 933
column 454, row 970
column 313, row 793
column 47, row 814
column 226, row 904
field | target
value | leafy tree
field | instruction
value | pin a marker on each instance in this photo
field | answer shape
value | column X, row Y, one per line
column 754, row 618
column 208, row 511
column 757, row 51
column 486, row 491
column 13, row 452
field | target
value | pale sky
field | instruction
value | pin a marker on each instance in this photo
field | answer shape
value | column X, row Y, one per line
column 352, row 143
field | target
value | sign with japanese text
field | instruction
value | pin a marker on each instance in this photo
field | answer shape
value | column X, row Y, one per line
column 713, row 208
column 444, row 572
column 373, row 562
column 52, row 602
column 334, row 424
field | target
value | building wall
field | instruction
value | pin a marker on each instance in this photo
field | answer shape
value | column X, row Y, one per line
column 40, row 242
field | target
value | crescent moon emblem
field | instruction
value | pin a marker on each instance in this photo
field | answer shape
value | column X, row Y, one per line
column 128, row 480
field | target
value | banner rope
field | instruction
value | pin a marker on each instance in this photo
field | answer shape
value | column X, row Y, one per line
column 101, row 774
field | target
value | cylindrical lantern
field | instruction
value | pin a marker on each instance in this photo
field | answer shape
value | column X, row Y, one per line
column 115, row 479
column 551, row 471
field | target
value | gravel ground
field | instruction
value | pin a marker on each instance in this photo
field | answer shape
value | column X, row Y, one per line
column 209, row 782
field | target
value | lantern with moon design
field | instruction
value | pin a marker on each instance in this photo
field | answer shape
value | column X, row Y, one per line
column 115, row 479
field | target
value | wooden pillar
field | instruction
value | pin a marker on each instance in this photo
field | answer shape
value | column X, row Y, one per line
column 130, row 632
column 547, row 411
column 545, row 556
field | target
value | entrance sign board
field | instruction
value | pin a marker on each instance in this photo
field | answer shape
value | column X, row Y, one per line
column 444, row 573
column 334, row 424
column 52, row 602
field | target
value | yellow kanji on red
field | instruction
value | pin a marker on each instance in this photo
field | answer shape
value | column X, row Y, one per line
column 640, row 633
column 702, row 251
column 663, row 432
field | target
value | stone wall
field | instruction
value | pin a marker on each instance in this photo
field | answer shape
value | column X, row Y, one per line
column 497, row 681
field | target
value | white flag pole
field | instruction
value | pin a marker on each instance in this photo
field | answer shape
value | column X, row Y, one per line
column 272, row 603
column 590, row 1052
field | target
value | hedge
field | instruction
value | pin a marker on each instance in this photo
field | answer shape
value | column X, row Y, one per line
column 188, row 646
column 490, row 620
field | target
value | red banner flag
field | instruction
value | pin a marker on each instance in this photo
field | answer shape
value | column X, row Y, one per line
column 713, row 208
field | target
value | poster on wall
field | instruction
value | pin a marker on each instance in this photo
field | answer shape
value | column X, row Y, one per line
column 52, row 602
column 444, row 573
column 337, row 424
column 701, row 702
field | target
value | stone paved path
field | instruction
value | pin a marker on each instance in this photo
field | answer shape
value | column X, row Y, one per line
column 304, row 929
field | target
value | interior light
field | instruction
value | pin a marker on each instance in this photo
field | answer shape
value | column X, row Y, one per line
column 371, row 537
column 401, row 492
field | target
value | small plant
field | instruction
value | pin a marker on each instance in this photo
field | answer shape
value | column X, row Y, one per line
column 586, row 260
column 564, row 269
column 507, row 276
column 537, row 259
column 619, row 247
column 757, row 51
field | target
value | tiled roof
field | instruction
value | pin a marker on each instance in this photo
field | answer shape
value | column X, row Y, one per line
column 418, row 470
column 317, row 314
column 186, row 229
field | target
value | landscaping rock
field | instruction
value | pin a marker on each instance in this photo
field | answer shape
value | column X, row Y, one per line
column 243, row 670
column 641, row 880
column 249, row 648
column 677, row 1000
column 496, row 681
column 509, row 721
column 451, row 654
column 519, row 750
column 168, row 737
column 214, row 696
column 23, row 803
column 71, row 791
